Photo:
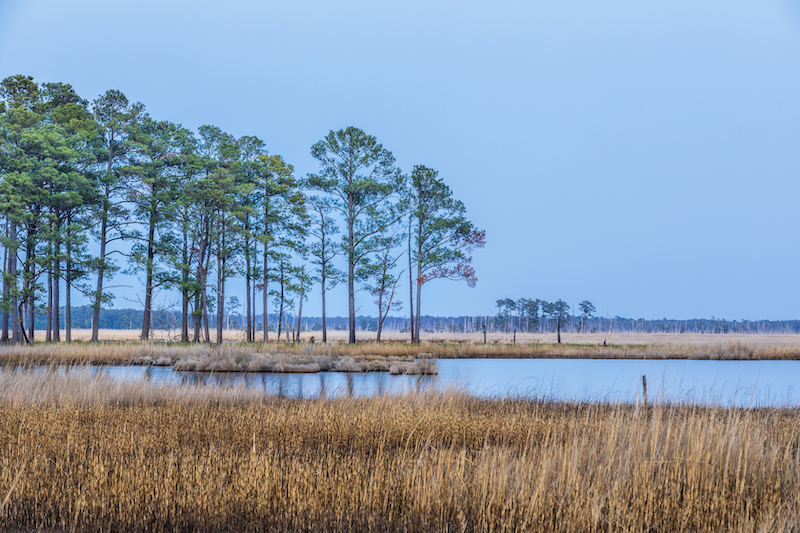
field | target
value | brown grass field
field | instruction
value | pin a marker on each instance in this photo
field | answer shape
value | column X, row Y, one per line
column 114, row 335
column 120, row 347
column 85, row 453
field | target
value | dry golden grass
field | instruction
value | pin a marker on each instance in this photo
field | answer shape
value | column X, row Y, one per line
column 339, row 337
column 159, row 458
column 225, row 358
column 233, row 356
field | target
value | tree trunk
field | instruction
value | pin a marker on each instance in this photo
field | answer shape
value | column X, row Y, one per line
column 254, row 298
column 196, row 318
column 558, row 329
column 265, row 296
column 101, row 269
column 22, row 324
column 351, row 300
column 68, row 287
column 324, row 312
column 419, row 287
column 68, row 309
column 57, row 292
column 48, row 336
column 148, row 294
column 299, row 315
column 185, row 286
column 351, row 291
column 220, row 282
column 29, row 286
column 248, row 282
column 380, row 317
column 410, row 283
column 202, row 271
column 204, row 296
column 280, row 307
column 6, row 289
column 12, row 279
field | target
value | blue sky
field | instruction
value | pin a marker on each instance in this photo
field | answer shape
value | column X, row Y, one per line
column 642, row 155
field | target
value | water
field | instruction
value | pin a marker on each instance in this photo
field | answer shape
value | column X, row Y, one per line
column 740, row 383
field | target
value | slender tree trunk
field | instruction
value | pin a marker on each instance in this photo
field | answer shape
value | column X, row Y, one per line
column 185, row 286
column 419, row 283
column 196, row 319
column 411, row 284
column 148, row 294
column 351, row 278
column 248, row 282
column 12, row 285
column 220, row 283
column 254, row 295
column 29, row 286
column 380, row 318
column 101, row 268
column 25, row 338
column 265, row 296
column 68, row 288
column 206, row 263
column 48, row 336
column 6, row 288
column 558, row 329
column 324, row 311
column 299, row 315
column 201, row 274
column 280, row 309
column 68, row 310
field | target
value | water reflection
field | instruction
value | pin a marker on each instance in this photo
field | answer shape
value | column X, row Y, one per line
column 744, row 383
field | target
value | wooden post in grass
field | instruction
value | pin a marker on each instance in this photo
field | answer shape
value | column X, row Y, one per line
column 644, row 390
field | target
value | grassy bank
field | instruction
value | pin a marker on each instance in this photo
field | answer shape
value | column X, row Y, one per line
column 83, row 453
column 381, row 357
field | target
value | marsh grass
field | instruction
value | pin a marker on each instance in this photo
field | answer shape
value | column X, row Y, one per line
column 225, row 358
column 145, row 457
column 382, row 357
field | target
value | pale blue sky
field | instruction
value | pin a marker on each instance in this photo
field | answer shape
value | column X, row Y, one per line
column 642, row 155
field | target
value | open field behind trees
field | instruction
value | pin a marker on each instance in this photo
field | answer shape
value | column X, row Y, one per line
column 85, row 453
column 125, row 350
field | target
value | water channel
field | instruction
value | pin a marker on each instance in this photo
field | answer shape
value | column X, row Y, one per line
column 739, row 383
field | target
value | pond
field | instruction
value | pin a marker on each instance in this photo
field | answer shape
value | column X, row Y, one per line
column 740, row 383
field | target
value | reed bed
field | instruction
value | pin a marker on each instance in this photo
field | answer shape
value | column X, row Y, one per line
column 168, row 458
column 306, row 357
column 225, row 358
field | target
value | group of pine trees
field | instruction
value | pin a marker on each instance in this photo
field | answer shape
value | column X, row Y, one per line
column 189, row 210
column 528, row 314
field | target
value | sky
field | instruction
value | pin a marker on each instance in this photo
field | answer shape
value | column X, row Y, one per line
column 640, row 155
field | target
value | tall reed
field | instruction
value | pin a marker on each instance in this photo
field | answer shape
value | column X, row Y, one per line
column 143, row 457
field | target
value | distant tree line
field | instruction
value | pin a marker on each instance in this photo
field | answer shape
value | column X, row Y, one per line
column 188, row 211
column 167, row 319
column 534, row 315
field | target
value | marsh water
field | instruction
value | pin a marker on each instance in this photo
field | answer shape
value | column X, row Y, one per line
column 740, row 383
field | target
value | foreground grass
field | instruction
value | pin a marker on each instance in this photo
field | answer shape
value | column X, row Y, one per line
column 376, row 357
column 80, row 452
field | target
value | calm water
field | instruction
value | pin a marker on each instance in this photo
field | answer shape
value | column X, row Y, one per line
column 744, row 383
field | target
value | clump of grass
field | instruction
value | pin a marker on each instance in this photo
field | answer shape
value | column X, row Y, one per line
column 251, row 359
column 162, row 458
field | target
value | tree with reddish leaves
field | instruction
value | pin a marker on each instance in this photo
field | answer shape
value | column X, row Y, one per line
column 442, row 236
